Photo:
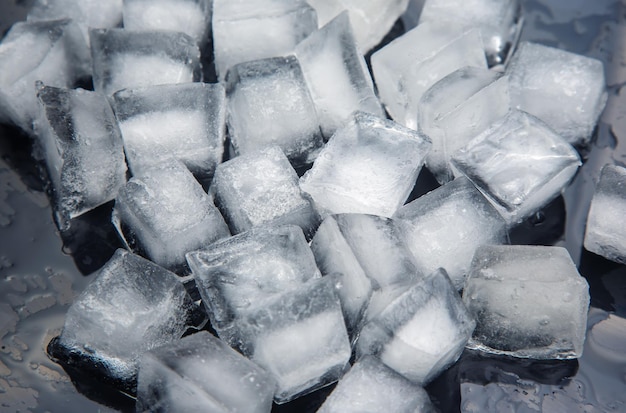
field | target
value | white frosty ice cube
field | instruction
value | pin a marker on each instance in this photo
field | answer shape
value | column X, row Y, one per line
column 529, row 301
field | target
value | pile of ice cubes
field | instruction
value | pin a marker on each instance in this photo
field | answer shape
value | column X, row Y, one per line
column 279, row 196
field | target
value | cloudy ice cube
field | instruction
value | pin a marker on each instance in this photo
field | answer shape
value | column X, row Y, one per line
column 165, row 213
column 606, row 232
column 201, row 373
column 458, row 108
column 412, row 63
column 371, row 387
column 445, row 227
column 269, row 104
column 185, row 121
column 528, row 301
column 131, row 306
column 129, row 59
column 421, row 332
column 82, row 148
column 369, row 166
column 565, row 90
column 245, row 30
column 262, row 188
column 53, row 52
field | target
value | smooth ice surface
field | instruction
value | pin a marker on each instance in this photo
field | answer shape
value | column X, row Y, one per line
column 421, row 332
column 412, row 63
column 269, row 104
column 167, row 213
column 372, row 387
column 202, row 373
column 565, row 90
column 529, row 301
column 369, row 166
column 606, row 228
column 337, row 75
column 82, row 147
column 130, row 307
column 445, row 227
column 519, row 163
column 185, row 121
column 262, row 188
column 53, row 52
column 130, row 58
column 245, row 30
column 458, row 108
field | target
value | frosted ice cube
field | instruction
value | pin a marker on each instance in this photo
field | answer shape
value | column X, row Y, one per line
column 165, row 213
column 421, row 332
column 458, row 108
column 82, row 147
column 53, row 52
column 262, row 188
column 186, row 121
column 529, row 301
column 369, row 166
column 128, row 58
column 245, row 30
column 201, row 373
column 519, row 164
column 269, row 104
column 408, row 66
column 445, row 227
column 565, row 90
column 606, row 230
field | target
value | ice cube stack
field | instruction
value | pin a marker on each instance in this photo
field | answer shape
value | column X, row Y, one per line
column 281, row 194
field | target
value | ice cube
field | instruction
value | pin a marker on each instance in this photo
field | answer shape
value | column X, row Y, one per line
column 53, row 52
column 165, row 213
column 606, row 232
column 129, row 59
column 529, row 301
column 261, row 188
column 369, row 166
column 412, row 63
column 519, row 164
column 458, row 108
column 269, row 104
column 445, row 227
column 337, row 75
column 201, row 373
column 186, row 121
column 565, row 90
column 421, row 332
column 82, row 148
column 245, row 30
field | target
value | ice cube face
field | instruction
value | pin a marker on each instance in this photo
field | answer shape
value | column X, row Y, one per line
column 565, row 90
column 201, row 373
column 421, row 332
column 165, row 213
column 519, row 163
column 241, row 34
column 269, row 104
column 606, row 233
column 458, row 108
column 369, row 166
column 82, row 147
column 445, row 227
column 337, row 75
column 53, row 52
column 412, row 63
column 185, row 121
column 262, row 188
column 130, row 59
column 528, row 301
column 131, row 306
